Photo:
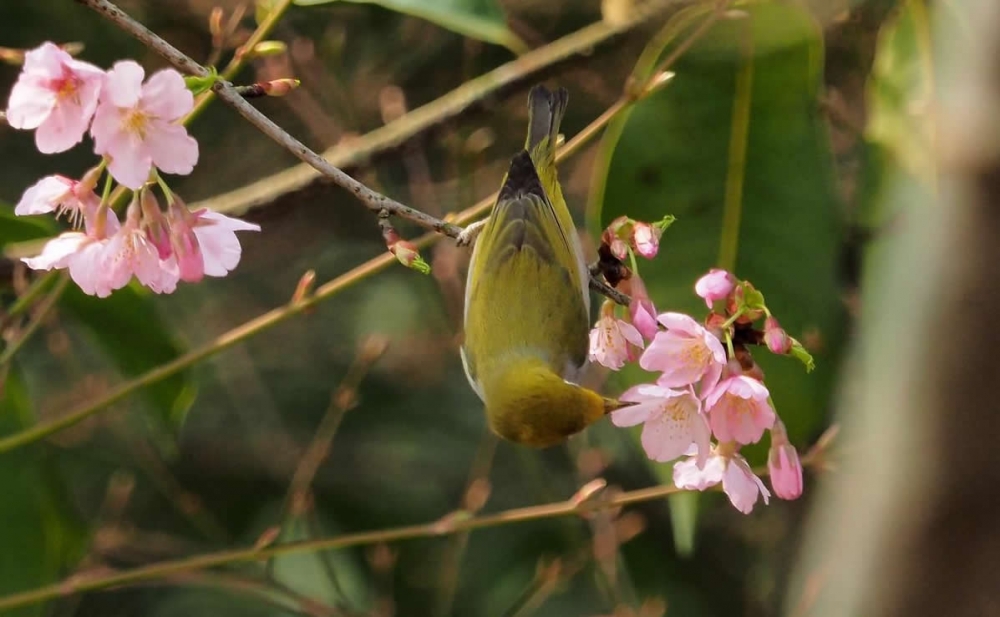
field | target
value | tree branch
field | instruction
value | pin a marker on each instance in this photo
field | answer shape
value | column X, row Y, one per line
column 373, row 200
column 455, row 522
column 462, row 99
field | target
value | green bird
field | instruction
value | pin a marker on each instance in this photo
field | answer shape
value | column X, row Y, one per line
column 527, row 302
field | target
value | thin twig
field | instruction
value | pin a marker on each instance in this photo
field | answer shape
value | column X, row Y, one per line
column 446, row 526
column 341, row 400
column 468, row 96
column 374, row 200
column 82, row 582
column 277, row 315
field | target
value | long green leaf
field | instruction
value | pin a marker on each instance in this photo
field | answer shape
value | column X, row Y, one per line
column 40, row 535
column 479, row 19
column 736, row 148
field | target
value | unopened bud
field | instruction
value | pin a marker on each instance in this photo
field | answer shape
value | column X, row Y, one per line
column 775, row 337
column 215, row 26
column 304, row 288
column 646, row 239
column 268, row 48
column 408, row 255
column 784, row 465
column 280, row 87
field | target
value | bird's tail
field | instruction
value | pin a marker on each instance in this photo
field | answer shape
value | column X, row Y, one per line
column 545, row 113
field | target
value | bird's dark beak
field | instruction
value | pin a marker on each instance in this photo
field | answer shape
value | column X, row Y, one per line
column 611, row 404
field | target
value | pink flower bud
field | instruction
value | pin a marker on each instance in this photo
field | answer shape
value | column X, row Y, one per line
column 646, row 239
column 616, row 234
column 642, row 313
column 776, row 339
column 156, row 225
column 784, row 465
column 716, row 285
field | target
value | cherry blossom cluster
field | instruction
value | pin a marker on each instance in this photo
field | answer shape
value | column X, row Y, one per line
column 709, row 398
column 135, row 125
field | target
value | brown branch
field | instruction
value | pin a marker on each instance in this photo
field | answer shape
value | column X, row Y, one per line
column 225, row 91
column 454, row 104
column 453, row 523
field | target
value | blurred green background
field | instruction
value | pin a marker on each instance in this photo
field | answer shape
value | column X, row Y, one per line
column 771, row 145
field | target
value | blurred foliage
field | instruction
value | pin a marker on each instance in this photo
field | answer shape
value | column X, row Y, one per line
column 202, row 461
column 481, row 19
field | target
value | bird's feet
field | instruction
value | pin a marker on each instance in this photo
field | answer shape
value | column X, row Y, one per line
column 471, row 232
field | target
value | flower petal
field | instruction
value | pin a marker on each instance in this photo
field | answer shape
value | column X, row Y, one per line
column 44, row 196
column 165, row 95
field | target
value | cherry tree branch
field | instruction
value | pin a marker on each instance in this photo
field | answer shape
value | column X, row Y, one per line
column 584, row 502
column 331, row 288
column 374, row 201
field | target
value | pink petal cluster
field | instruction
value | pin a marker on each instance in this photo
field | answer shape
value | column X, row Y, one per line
column 107, row 255
column 686, row 353
column 56, row 95
column 739, row 409
column 135, row 125
column 739, row 482
column 672, row 420
column 610, row 341
column 716, row 285
column 700, row 393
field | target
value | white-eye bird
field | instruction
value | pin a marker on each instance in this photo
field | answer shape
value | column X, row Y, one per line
column 527, row 302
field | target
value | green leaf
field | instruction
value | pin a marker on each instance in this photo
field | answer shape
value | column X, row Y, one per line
column 736, row 148
column 479, row 19
column 40, row 535
column 127, row 327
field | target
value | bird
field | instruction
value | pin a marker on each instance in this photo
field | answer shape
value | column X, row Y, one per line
column 527, row 302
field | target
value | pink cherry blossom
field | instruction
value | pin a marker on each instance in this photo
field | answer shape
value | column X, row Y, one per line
column 135, row 124
column 784, row 465
column 610, row 340
column 672, row 420
column 738, row 409
column 56, row 95
column 217, row 241
column 715, row 285
column 686, row 354
column 83, row 254
column 130, row 252
column 646, row 239
column 64, row 196
column 739, row 482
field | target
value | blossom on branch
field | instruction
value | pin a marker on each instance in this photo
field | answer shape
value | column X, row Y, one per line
column 739, row 482
column 55, row 94
column 136, row 127
column 716, row 285
column 738, row 409
column 611, row 338
column 686, row 354
column 672, row 420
